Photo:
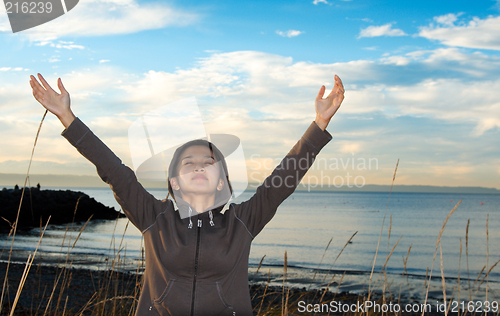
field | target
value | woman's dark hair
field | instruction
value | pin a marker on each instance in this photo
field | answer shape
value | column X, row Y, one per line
column 221, row 197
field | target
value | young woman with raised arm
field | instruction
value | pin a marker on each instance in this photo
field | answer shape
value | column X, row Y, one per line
column 196, row 256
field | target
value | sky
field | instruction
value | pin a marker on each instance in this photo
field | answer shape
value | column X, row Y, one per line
column 421, row 78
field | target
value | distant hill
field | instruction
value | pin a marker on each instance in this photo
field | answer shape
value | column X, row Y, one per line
column 9, row 180
column 411, row 188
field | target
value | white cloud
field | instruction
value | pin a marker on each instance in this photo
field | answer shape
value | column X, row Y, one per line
column 268, row 83
column 396, row 60
column 255, row 94
column 4, row 21
column 451, row 100
column 315, row 2
column 60, row 44
column 350, row 147
column 383, row 30
column 453, row 170
column 447, row 19
column 289, row 33
column 103, row 61
column 105, row 17
column 478, row 33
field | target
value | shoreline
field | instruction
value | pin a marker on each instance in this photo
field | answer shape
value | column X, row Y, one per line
column 113, row 292
column 408, row 288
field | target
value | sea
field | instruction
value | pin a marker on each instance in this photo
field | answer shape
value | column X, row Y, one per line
column 341, row 241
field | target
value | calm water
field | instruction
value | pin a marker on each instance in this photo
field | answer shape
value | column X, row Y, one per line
column 304, row 225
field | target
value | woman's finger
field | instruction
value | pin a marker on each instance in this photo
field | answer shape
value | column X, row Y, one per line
column 61, row 86
column 36, row 88
column 338, row 82
column 321, row 93
column 35, row 83
column 45, row 84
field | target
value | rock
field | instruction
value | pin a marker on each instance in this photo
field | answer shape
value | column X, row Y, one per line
column 63, row 207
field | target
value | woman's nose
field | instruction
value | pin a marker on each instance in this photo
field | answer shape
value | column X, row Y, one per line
column 198, row 167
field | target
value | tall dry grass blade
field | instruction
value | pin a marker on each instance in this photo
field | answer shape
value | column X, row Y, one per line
column 405, row 262
column 138, row 284
column 478, row 277
column 426, row 275
column 390, row 254
column 484, row 277
column 260, row 264
column 128, row 297
column 384, row 268
column 381, row 230
column 265, row 291
column 384, row 271
column 331, row 266
column 258, row 267
column 284, row 306
column 320, row 262
column 487, row 255
column 340, row 282
column 467, row 256
column 87, row 304
column 27, row 269
column 110, row 267
column 443, row 279
column 20, row 286
column 458, row 280
column 64, row 269
column 389, row 234
column 65, row 305
column 336, row 292
column 14, row 229
column 438, row 241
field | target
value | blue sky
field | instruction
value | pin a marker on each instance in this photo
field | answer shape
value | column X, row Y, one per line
column 421, row 81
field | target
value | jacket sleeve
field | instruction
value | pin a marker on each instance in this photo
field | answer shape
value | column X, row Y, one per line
column 261, row 207
column 140, row 206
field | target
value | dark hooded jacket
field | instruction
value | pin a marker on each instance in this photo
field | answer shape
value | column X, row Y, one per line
column 200, row 271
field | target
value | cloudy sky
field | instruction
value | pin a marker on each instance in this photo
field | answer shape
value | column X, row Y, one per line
column 421, row 77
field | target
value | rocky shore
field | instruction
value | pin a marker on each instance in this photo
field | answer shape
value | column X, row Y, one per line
column 58, row 291
column 62, row 207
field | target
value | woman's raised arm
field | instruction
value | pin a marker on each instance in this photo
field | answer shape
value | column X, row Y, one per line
column 57, row 103
column 261, row 207
column 140, row 206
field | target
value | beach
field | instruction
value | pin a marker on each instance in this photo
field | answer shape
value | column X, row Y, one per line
column 49, row 290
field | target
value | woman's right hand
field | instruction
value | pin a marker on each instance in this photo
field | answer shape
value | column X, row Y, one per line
column 58, row 104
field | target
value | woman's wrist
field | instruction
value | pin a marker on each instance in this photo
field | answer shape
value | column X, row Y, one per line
column 67, row 118
column 322, row 123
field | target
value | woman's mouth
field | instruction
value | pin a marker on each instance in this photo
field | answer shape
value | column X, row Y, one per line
column 199, row 176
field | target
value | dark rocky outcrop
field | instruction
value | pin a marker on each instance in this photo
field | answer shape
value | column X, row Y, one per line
column 38, row 205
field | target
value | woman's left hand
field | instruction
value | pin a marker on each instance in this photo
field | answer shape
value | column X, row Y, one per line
column 326, row 108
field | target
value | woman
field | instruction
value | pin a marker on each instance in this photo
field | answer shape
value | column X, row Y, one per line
column 199, row 269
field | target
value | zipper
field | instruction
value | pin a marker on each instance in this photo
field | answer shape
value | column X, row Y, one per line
column 198, row 232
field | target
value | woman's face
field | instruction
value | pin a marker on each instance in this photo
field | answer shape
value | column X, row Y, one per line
column 199, row 173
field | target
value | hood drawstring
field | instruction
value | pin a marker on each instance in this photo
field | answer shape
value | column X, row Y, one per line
column 211, row 218
column 190, row 222
column 210, row 214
